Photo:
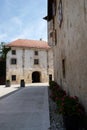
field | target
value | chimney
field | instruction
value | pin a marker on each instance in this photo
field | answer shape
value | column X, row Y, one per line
column 40, row 39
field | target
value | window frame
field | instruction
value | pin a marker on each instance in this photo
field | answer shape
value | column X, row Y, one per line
column 54, row 8
column 64, row 68
column 13, row 52
column 36, row 61
column 60, row 13
column 13, row 77
column 13, row 61
column 36, row 53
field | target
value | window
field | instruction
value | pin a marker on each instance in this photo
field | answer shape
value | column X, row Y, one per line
column 54, row 8
column 36, row 52
column 60, row 13
column 85, row 10
column 14, row 61
column 53, row 35
column 36, row 61
column 13, row 52
column 13, row 77
column 63, row 68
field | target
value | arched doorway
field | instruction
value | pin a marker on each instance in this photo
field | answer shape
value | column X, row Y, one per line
column 35, row 77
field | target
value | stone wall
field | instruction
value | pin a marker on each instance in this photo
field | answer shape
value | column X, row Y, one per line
column 70, row 53
column 25, row 65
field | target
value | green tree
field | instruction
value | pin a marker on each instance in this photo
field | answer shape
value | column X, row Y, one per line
column 4, row 50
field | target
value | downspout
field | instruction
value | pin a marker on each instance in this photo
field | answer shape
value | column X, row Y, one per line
column 23, row 61
column 47, row 64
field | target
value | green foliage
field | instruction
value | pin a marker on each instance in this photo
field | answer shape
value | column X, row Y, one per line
column 52, row 84
column 70, row 106
column 67, row 105
column 4, row 50
column 2, row 68
column 57, row 92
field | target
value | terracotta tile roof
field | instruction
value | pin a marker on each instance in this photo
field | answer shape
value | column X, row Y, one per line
column 29, row 44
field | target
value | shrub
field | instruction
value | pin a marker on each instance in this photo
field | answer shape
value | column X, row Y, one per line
column 66, row 105
column 52, row 84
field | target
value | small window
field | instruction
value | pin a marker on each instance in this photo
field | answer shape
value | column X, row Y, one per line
column 63, row 68
column 14, row 61
column 55, row 37
column 51, row 34
column 13, row 77
column 36, row 52
column 13, row 52
column 36, row 61
column 85, row 10
column 54, row 8
column 60, row 13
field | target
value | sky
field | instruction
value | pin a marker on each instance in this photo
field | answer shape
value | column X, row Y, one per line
column 23, row 19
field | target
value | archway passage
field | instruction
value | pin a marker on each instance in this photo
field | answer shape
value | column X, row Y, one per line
column 35, row 77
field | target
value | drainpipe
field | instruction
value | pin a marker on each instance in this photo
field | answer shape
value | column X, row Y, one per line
column 47, row 64
column 23, row 61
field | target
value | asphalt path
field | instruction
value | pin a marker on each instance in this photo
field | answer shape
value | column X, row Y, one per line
column 25, row 109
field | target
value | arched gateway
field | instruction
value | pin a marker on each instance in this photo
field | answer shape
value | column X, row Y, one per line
column 35, row 77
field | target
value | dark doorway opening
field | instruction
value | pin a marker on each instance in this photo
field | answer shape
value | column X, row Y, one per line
column 50, row 77
column 35, row 77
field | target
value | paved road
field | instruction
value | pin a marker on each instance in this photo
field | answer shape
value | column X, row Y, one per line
column 26, row 109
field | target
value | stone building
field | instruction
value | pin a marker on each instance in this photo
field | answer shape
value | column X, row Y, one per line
column 29, row 60
column 67, row 34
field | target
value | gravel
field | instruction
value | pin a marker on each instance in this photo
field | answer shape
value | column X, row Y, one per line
column 56, row 120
